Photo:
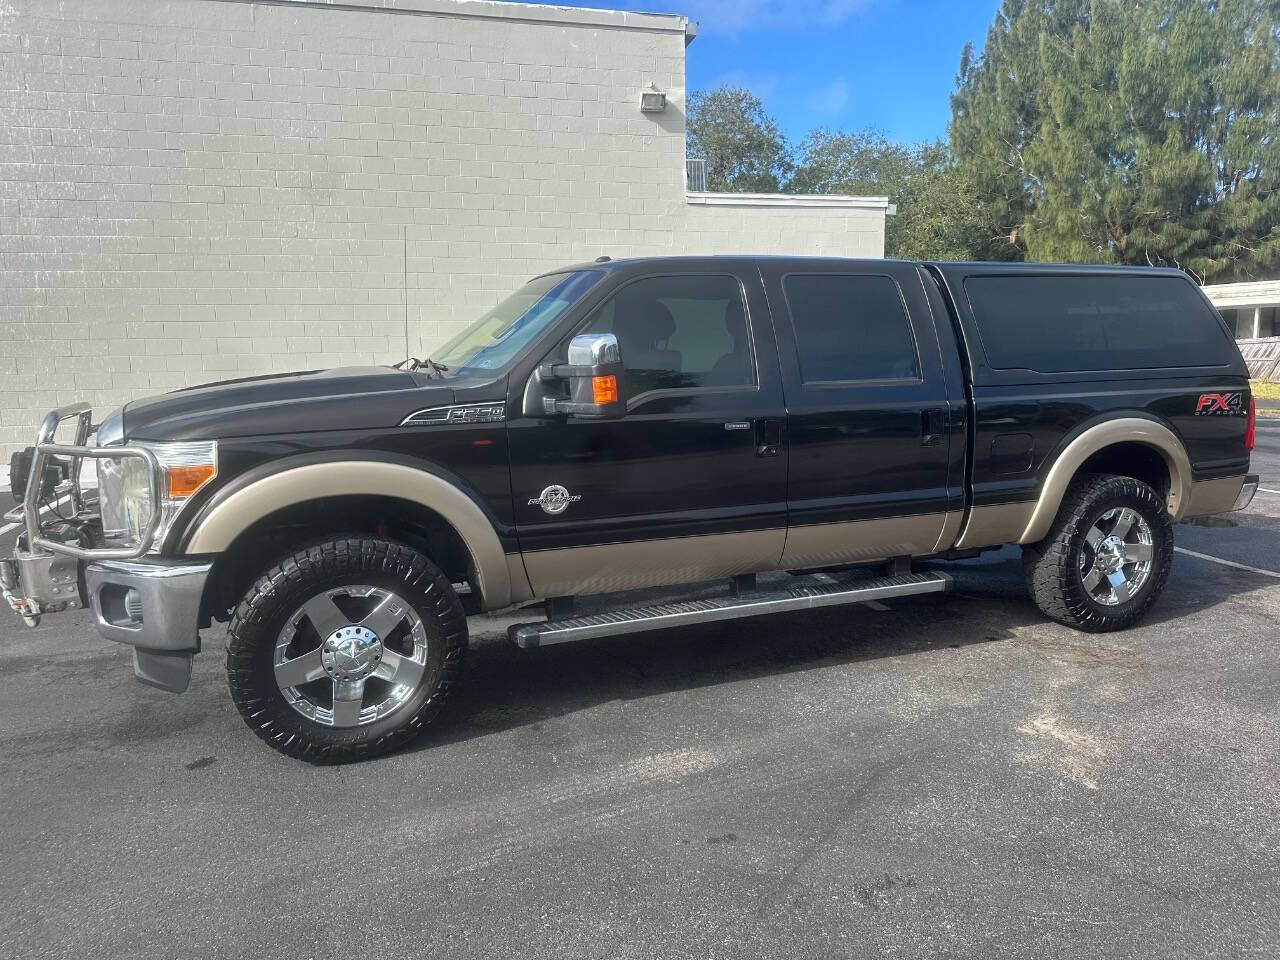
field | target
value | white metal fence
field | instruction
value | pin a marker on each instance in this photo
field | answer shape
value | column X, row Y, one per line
column 695, row 175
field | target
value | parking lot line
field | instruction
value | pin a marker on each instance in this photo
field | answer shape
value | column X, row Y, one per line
column 1227, row 563
column 1265, row 490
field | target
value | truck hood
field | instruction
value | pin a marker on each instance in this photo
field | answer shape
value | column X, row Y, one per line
column 338, row 399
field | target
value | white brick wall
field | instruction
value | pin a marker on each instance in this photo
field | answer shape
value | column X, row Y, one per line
column 197, row 189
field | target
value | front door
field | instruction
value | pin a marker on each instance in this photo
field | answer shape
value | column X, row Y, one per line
column 876, row 454
column 690, row 484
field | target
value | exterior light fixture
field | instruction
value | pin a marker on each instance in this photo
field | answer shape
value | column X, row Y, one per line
column 652, row 101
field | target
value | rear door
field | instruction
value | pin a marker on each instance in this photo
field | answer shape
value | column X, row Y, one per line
column 876, row 442
column 691, row 483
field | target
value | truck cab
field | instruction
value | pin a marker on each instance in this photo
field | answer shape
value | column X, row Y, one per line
column 799, row 430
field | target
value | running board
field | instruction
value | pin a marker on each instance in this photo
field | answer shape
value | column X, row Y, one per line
column 686, row 612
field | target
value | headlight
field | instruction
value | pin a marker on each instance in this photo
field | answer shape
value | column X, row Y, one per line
column 124, row 495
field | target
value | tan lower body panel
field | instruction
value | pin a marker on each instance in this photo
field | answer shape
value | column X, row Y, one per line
column 609, row 567
column 950, row 531
column 606, row 568
column 1213, row 496
column 995, row 524
column 856, row 541
column 520, row 591
column 1007, row 522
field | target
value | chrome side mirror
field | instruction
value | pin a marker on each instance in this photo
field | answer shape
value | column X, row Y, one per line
column 594, row 376
column 594, row 350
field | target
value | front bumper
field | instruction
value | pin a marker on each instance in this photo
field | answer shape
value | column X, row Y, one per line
column 60, row 563
column 154, row 607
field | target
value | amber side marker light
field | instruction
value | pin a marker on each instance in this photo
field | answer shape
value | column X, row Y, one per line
column 604, row 389
column 184, row 481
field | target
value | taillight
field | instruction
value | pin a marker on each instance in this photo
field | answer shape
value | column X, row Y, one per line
column 1251, row 431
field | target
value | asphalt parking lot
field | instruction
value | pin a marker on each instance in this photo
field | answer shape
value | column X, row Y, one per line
column 953, row 776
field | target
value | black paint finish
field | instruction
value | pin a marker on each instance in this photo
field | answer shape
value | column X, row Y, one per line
column 354, row 398
column 472, row 458
column 676, row 464
column 862, row 450
column 1055, row 408
column 713, row 460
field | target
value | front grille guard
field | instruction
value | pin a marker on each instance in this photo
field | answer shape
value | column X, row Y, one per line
column 78, row 453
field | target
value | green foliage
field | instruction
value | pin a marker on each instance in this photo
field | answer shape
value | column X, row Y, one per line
column 746, row 152
column 1087, row 131
column 1118, row 131
column 936, row 203
column 744, row 149
column 863, row 162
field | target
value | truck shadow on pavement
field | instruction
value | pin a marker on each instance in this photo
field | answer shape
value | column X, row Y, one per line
column 506, row 688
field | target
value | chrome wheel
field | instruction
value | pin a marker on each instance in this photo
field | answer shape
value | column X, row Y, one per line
column 351, row 655
column 1116, row 556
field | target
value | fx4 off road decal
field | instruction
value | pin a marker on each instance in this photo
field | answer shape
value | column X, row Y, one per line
column 1221, row 405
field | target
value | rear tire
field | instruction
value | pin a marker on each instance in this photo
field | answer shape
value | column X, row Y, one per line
column 1106, row 558
column 346, row 650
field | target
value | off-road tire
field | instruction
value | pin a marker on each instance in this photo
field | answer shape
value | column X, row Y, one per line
column 1052, row 566
column 265, row 607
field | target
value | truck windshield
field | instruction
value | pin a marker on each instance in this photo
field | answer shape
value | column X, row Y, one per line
column 495, row 339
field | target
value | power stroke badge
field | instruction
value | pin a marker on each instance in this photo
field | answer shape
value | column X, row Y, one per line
column 554, row 500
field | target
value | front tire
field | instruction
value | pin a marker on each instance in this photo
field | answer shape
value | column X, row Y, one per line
column 346, row 650
column 1106, row 558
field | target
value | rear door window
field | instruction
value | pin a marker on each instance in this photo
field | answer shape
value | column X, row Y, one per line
column 850, row 327
column 1068, row 324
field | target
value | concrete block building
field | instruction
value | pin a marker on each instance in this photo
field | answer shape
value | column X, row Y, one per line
column 192, row 190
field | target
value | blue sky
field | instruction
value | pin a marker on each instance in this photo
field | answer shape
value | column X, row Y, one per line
column 887, row 64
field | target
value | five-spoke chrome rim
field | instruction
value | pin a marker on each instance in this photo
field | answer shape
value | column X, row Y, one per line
column 1115, row 557
column 351, row 655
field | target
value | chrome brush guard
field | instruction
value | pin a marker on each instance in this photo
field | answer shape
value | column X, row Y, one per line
column 44, row 574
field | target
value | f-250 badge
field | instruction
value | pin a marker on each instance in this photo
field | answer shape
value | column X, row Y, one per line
column 554, row 500
column 1221, row 405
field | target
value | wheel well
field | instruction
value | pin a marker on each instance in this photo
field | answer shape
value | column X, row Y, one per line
column 1136, row 460
column 279, row 534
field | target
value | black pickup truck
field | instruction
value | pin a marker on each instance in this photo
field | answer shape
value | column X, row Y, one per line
column 640, row 424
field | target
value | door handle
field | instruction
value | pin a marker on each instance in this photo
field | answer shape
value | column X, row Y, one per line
column 768, row 437
column 933, row 424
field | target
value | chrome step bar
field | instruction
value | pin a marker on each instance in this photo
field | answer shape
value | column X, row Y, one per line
column 687, row 612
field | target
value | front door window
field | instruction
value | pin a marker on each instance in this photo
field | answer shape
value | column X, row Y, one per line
column 679, row 333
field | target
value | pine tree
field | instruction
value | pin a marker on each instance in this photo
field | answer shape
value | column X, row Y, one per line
column 1127, row 131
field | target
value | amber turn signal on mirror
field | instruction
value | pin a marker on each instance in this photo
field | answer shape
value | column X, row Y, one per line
column 604, row 390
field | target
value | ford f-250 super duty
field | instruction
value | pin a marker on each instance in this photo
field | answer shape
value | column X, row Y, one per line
column 638, row 424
